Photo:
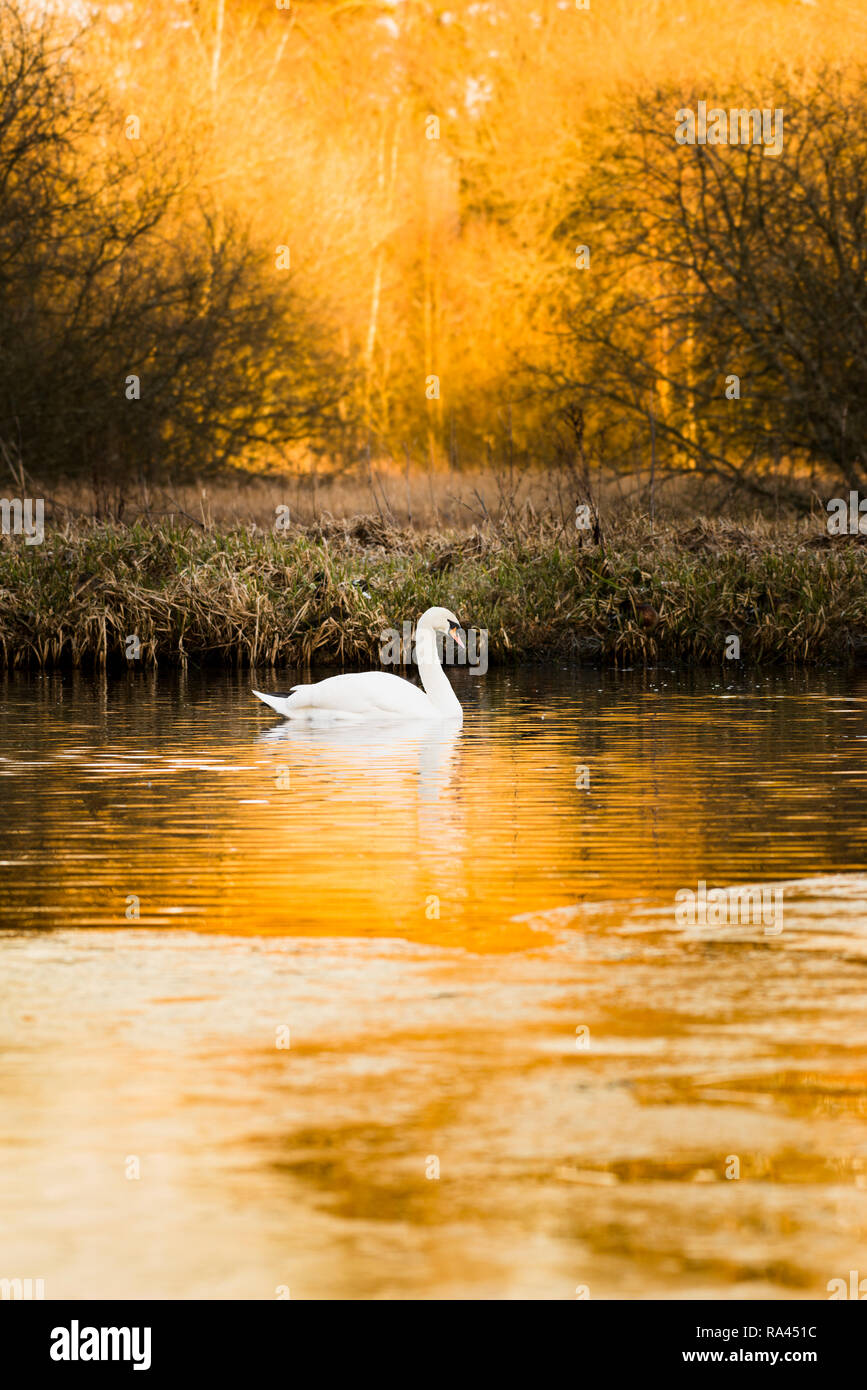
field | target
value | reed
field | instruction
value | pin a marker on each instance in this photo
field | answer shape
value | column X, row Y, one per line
column 541, row 590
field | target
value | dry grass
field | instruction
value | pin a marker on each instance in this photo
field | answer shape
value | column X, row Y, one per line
column 429, row 501
column 249, row 596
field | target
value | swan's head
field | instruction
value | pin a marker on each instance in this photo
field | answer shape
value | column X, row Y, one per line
column 444, row 621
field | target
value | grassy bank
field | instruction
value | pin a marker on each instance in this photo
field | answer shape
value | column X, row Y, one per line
column 250, row 597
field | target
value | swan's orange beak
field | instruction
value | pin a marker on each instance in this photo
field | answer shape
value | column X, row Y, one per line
column 455, row 632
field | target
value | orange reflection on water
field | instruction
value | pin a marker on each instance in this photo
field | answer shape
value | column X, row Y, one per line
column 441, row 922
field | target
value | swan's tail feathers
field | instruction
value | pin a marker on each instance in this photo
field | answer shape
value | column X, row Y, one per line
column 278, row 703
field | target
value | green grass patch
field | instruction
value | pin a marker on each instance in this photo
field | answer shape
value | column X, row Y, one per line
column 247, row 597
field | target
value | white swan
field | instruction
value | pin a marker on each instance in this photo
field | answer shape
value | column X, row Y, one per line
column 378, row 694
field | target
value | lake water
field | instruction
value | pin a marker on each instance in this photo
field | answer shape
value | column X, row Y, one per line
column 388, row 1014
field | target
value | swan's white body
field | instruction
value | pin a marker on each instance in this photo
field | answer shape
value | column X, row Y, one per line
column 378, row 694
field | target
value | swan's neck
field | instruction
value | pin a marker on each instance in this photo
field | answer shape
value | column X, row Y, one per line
column 434, row 679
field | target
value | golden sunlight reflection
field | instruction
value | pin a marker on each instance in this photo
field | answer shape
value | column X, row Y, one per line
column 353, row 952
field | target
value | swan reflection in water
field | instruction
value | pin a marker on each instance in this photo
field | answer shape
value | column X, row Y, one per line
column 377, row 755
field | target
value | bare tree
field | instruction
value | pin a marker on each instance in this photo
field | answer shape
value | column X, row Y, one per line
column 728, row 288
column 139, row 333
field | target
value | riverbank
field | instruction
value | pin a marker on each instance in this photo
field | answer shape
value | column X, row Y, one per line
column 103, row 594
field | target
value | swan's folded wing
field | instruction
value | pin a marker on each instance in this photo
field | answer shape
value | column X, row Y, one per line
column 367, row 693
